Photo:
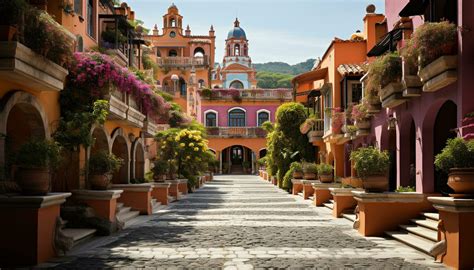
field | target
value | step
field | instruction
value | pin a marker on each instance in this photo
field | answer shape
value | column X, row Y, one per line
column 351, row 217
column 311, row 198
column 419, row 243
column 128, row 216
column 153, row 201
column 329, row 205
column 428, row 223
column 433, row 216
column 421, row 231
column 123, row 210
column 119, row 205
column 171, row 199
column 79, row 234
column 331, row 201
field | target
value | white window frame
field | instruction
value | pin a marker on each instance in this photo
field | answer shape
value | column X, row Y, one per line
column 263, row 110
column 211, row 111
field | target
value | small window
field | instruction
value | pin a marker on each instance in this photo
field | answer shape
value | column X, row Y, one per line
column 236, row 85
column 201, row 83
column 237, row 50
column 78, row 7
column 90, row 18
column 356, row 92
column 262, row 118
column 211, row 119
column 199, row 52
column 173, row 34
column 173, row 22
column 172, row 53
column 237, row 118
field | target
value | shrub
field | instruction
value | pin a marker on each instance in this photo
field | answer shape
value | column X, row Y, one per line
column 458, row 153
column 296, row 167
column 430, row 41
column 287, row 184
column 370, row 161
column 104, row 163
column 325, row 169
column 39, row 154
column 406, row 189
column 206, row 92
column 384, row 70
column 262, row 161
column 360, row 111
column 161, row 167
column 310, row 167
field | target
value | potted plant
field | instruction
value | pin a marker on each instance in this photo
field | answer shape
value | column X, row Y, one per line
column 310, row 171
column 12, row 13
column 325, row 172
column 435, row 51
column 246, row 166
column 372, row 166
column 457, row 159
column 337, row 120
column 386, row 72
column 297, row 170
column 101, row 166
column 160, row 169
column 350, row 131
column 34, row 162
column 360, row 115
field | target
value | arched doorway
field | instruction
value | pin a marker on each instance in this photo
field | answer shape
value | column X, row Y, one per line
column 236, row 85
column 199, row 52
column 101, row 143
column 139, row 162
column 120, row 149
column 237, row 159
column 443, row 129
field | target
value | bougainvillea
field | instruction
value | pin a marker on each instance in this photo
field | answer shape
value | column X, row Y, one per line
column 337, row 120
column 100, row 75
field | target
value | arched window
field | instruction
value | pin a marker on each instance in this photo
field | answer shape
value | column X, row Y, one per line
column 237, row 85
column 211, row 119
column 172, row 22
column 237, row 50
column 262, row 117
column 237, row 118
column 201, row 83
column 172, row 53
column 199, row 52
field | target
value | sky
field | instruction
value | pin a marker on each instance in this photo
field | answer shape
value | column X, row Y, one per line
column 290, row 31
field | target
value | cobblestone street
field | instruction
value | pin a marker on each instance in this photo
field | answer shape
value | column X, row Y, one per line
column 242, row 222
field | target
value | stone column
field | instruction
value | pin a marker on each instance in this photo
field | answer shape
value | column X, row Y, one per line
column 221, row 155
column 253, row 162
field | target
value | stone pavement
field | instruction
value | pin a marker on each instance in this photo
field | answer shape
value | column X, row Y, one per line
column 242, row 222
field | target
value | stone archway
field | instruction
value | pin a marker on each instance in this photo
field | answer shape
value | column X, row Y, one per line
column 22, row 118
column 237, row 159
column 120, row 148
column 101, row 140
column 138, row 161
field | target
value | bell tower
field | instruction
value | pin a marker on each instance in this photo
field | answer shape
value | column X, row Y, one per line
column 237, row 43
column 173, row 21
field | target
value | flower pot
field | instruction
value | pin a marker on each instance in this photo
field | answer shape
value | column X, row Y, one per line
column 297, row 175
column 7, row 32
column 309, row 176
column 375, row 183
column 99, row 181
column 326, row 178
column 33, row 181
column 363, row 123
column 461, row 180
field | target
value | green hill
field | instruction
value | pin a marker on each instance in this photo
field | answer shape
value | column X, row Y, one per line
column 285, row 68
column 279, row 74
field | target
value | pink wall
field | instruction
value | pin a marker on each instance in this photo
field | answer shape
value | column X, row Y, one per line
column 251, row 114
column 392, row 8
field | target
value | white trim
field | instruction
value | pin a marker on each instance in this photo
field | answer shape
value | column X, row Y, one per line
column 211, row 111
column 263, row 110
column 233, row 108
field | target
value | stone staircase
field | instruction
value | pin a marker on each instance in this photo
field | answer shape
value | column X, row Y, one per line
column 348, row 214
column 156, row 206
column 421, row 233
column 125, row 214
column 311, row 198
column 78, row 235
column 329, row 204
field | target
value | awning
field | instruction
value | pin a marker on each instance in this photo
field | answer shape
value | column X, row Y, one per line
column 414, row 8
column 388, row 43
column 314, row 75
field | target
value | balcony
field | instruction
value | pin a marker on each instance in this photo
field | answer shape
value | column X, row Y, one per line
column 236, row 132
column 21, row 65
column 248, row 94
column 150, row 128
column 183, row 62
column 123, row 108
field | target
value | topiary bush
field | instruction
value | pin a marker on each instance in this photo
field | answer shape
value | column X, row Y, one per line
column 458, row 153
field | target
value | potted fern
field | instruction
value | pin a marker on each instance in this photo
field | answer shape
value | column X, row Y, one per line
column 101, row 167
column 34, row 161
column 310, row 171
column 325, row 172
column 372, row 166
column 457, row 160
column 297, row 170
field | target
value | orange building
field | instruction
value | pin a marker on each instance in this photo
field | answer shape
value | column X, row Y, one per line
column 334, row 84
column 181, row 55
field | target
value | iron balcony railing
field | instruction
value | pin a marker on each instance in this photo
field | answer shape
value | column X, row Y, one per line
column 186, row 62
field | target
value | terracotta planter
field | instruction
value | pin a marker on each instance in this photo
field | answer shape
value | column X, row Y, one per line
column 461, row 180
column 375, row 183
column 363, row 124
column 99, row 181
column 309, row 176
column 297, row 175
column 33, row 181
column 326, row 178
column 7, row 32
